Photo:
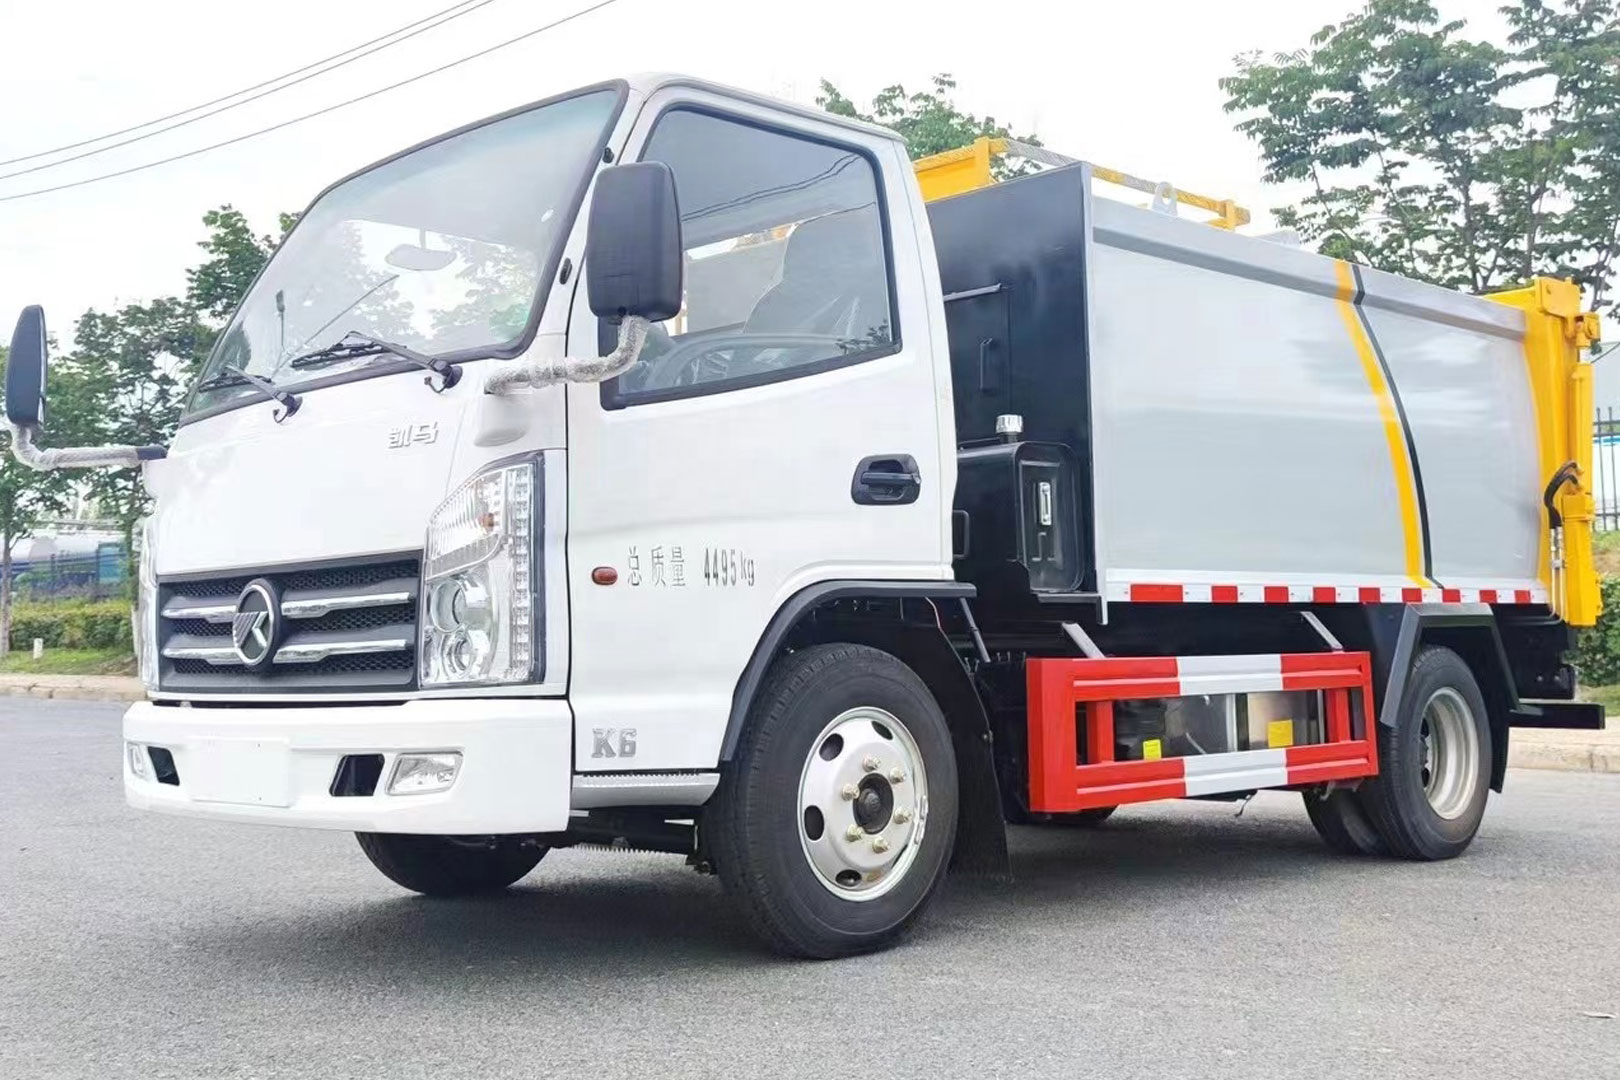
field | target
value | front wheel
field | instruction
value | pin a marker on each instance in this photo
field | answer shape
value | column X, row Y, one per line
column 1434, row 765
column 450, row 865
column 835, row 821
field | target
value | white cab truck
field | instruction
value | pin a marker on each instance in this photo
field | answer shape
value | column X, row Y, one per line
column 658, row 466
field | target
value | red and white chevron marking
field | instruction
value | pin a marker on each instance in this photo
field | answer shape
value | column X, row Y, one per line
column 1059, row 781
column 1156, row 592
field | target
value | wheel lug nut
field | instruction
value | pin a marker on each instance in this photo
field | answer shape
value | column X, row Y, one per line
column 902, row 816
column 850, row 791
column 880, row 844
column 897, row 775
column 871, row 764
column 854, row 833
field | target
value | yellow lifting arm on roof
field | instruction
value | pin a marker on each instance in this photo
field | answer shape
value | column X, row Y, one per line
column 968, row 169
column 952, row 172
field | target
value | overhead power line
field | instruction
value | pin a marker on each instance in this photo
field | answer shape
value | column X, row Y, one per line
column 318, row 112
column 466, row 7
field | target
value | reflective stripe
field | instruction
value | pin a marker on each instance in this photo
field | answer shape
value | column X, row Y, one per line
column 1229, row 674
column 1157, row 592
column 1210, row 774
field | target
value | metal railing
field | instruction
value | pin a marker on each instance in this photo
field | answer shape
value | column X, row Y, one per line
column 93, row 575
column 1606, row 470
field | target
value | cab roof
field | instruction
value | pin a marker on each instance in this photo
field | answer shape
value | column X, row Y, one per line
column 651, row 82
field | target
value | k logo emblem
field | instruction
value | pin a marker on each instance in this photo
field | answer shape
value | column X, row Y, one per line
column 256, row 624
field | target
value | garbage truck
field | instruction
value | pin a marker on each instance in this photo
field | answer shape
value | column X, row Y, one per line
column 665, row 466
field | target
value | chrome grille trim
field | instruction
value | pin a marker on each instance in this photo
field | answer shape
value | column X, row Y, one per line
column 212, row 654
column 192, row 609
column 295, row 605
column 350, row 626
column 313, row 652
column 314, row 607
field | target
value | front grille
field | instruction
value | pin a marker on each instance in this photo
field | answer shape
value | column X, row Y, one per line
column 348, row 626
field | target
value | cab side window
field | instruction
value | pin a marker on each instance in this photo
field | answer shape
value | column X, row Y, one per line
column 786, row 261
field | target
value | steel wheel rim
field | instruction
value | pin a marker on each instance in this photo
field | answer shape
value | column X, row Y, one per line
column 1449, row 770
column 862, row 808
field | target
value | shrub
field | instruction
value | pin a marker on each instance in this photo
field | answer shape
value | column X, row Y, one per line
column 1597, row 650
column 83, row 624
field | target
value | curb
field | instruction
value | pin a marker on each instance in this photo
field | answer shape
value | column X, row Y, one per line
column 73, row 687
column 1600, row 757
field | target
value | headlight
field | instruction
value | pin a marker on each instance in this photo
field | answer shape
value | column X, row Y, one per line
column 478, row 582
column 145, row 615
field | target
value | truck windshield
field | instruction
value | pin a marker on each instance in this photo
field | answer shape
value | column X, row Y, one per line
column 440, row 249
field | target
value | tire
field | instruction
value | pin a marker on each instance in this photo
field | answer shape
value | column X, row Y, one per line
column 1079, row 819
column 1342, row 823
column 777, row 859
column 1434, row 765
column 450, row 865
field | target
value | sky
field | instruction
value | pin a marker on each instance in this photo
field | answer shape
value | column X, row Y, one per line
column 1131, row 86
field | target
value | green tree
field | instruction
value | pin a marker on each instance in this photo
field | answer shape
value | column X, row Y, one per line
column 1471, row 164
column 26, row 496
column 928, row 120
column 127, row 377
column 235, row 256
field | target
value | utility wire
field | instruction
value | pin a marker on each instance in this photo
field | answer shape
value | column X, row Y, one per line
column 227, row 97
column 450, row 13
column 318, row 112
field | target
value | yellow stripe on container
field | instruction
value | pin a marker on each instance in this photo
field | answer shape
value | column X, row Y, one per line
column 1394, row 434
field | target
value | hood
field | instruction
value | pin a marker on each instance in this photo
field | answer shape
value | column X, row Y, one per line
column 355, row 472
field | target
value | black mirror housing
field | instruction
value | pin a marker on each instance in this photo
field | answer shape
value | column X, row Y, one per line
column 25, row 370
column 633, row 260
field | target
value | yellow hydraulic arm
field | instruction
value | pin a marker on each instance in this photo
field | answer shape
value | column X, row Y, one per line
column 968, row 168
column 1556, row 332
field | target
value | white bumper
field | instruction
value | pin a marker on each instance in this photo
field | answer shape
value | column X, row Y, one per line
column 275, row 766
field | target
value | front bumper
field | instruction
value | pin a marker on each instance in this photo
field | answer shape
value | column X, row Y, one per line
column 275, row 766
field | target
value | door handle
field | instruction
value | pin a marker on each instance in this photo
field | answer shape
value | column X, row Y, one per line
column 886, row 480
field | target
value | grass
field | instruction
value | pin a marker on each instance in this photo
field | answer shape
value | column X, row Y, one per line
column 69, row 662
column 1607, row 696
column 1606, row 553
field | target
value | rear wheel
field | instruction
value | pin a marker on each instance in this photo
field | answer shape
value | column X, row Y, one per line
column 835, row 821
column 1342, row 823
column 450, row 865
column 1428, row 798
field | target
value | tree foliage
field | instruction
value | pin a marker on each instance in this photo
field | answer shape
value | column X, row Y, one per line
column 235, row 256
column 126, row 379
column 1468, row 163
column 26, row 496
column 928, row 120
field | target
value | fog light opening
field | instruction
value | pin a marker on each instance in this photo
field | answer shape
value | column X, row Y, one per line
column 357, row 775
column 424, row 774
column 163, row 766
column 136, row 754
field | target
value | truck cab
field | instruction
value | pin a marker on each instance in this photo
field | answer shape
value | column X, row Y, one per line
column 411, row 608
column 589, row 474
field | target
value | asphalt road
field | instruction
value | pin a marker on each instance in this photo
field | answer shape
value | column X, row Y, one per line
column 1179, row 941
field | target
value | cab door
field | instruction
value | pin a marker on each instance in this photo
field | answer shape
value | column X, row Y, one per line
column 784, row 429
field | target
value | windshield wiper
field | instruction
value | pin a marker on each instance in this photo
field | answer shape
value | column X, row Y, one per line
column 355, row 344
column 230, row 376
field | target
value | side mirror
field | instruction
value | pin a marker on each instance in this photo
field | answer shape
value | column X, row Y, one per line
column 633, row 260
column 25, row 370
